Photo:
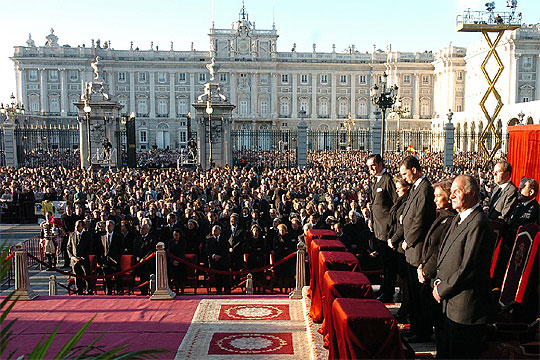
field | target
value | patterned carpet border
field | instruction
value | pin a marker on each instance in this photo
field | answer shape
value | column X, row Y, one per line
column 315, row 340
column 200, row 338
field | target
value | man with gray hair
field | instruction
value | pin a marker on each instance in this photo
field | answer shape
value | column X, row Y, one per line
column 462, row 282
column 110, row 250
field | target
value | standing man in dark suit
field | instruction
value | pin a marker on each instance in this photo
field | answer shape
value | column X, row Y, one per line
column 143, row 245
column 111, row 248
column 217, row 249
column 236, row 242
column 78, row 248
column 504, row 195
column 418, row 215
column 462, row 282
column 383, row 197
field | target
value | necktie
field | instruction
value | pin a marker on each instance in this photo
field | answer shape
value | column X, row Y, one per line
column 496, row 195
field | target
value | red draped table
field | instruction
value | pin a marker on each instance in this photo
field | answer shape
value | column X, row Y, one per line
column 363, row 329
column 341, row 284
column 318, row 245
column 313, row 234
column 329, row 260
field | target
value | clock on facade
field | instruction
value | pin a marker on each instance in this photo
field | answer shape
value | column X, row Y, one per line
column 243, row 45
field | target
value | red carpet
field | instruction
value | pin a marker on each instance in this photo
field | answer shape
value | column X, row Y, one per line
column 254, row 312
column 132, row 320
column 251, row 344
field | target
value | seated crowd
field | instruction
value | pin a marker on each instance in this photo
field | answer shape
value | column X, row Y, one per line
column 393, row 214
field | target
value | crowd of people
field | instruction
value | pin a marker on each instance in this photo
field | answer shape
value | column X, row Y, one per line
column 394, row 213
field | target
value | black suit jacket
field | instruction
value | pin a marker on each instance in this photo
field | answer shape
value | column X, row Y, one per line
column 383, row 197
column 502, row 203
column 110, row 258
column 521, row 215
column 418, row 215
column 436, row 233
column 217, row 247
column 463, row 269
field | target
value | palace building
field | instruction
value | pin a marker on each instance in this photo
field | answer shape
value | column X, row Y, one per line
column 271, row 89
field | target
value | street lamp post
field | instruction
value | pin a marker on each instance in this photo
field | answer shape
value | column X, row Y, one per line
column 383, row 98
column 128, row 120
column 12, row 109
column 349, row 123
column 87, row 110
column 209, row 111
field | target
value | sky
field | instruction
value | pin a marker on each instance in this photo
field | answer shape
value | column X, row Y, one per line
column 413, row 25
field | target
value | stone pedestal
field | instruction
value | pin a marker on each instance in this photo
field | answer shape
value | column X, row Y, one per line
column 301, row 145
column 215, row 127
column 163, row 292
column 300, row 272
column 449, row 145
column 22, row 280
column 10, row 145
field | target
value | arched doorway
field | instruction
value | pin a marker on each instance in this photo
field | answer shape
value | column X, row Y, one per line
column 163, row 137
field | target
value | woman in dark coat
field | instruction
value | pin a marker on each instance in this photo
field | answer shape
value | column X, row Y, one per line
column 427, row 270
column 395, row 238
column 281, row 247
column 257, row 253
column 177, row 271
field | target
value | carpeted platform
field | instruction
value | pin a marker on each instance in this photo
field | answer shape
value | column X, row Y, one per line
column 246, row 328
column 132, row 320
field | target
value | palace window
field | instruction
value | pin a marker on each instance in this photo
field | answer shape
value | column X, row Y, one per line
column 343, row 79
column 183, row 136
column 406, row 79
column 425, row 79
column 182, row 107
column 32, row 75
column 323, row 108
column 53, row 75
column 264, row 107
column 304, row 79
column 527, row 62
column 285, row 78
column 284, row 107
column 460, row 75
column 223, row 77
column 202, row 77
column 363, row 79
column 72, row 101
column 74, row 75
column 243, row 107
column 122, row 77
column 264, row 78
column 162, row 77
column 162, row 107
column 182, row 77
column 362, row 108
column 142, row 107
column 54, row 105
column 343, row 107
column 143, row 136
column 142, row 77
column 304, row 106
column 324, row 79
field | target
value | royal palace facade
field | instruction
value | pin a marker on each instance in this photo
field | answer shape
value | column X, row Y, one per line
column 271, row 89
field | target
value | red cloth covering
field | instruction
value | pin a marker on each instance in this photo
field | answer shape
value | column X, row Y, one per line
column 363, row 329
column 313, row 256
column 319, row 234
column 524, row 152
column 341, row 284
column 329, row 260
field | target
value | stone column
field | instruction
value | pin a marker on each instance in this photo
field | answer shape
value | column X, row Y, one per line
column 10, row 144
column 83, row 144
column 132, row 104
column 63, row 94
column 201, row 141
column 172, row 98
column 163, row 292
column 300, row 272
column 275, row 96
column 294, row 99
column 152, row 94
column 301, row 145
column 314, row 80
column 254, row 94
column 226, row 141
column 43, row 90
column 376, row 133
column 233, row 88
column 353, row 96
column 333, row 114
column 416, row 97
column 191, row 92
column 22, row 281
column 449, row 145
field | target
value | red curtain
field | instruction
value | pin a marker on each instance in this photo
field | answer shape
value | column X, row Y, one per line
column 524, row 152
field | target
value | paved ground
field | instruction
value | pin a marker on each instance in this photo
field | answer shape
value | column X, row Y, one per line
column 15, row 233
